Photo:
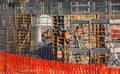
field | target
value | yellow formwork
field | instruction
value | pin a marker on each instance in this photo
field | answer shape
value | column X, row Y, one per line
column 83, row 17
column 22, row 23
column 58, row 38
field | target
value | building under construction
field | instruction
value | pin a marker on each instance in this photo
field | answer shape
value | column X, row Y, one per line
column 85, row 31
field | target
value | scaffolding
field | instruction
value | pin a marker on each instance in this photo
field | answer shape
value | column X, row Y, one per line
column 93, row 36
column 58, row 39
column 95, row 29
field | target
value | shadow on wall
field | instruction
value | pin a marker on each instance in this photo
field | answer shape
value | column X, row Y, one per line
column 45, row 52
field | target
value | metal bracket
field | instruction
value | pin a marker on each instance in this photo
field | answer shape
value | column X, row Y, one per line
column 95, row 50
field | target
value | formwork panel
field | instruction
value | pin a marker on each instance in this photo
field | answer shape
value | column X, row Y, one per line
column 22, row 23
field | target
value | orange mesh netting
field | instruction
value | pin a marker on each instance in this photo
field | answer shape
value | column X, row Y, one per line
column 15, row 64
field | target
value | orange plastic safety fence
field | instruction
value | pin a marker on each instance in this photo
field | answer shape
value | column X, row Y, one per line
column 15, row 64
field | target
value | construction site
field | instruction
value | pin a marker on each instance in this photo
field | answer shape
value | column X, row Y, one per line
column 59, row 37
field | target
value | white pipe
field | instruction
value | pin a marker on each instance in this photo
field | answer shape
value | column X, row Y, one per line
column 115, row 21
column 39, row 34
